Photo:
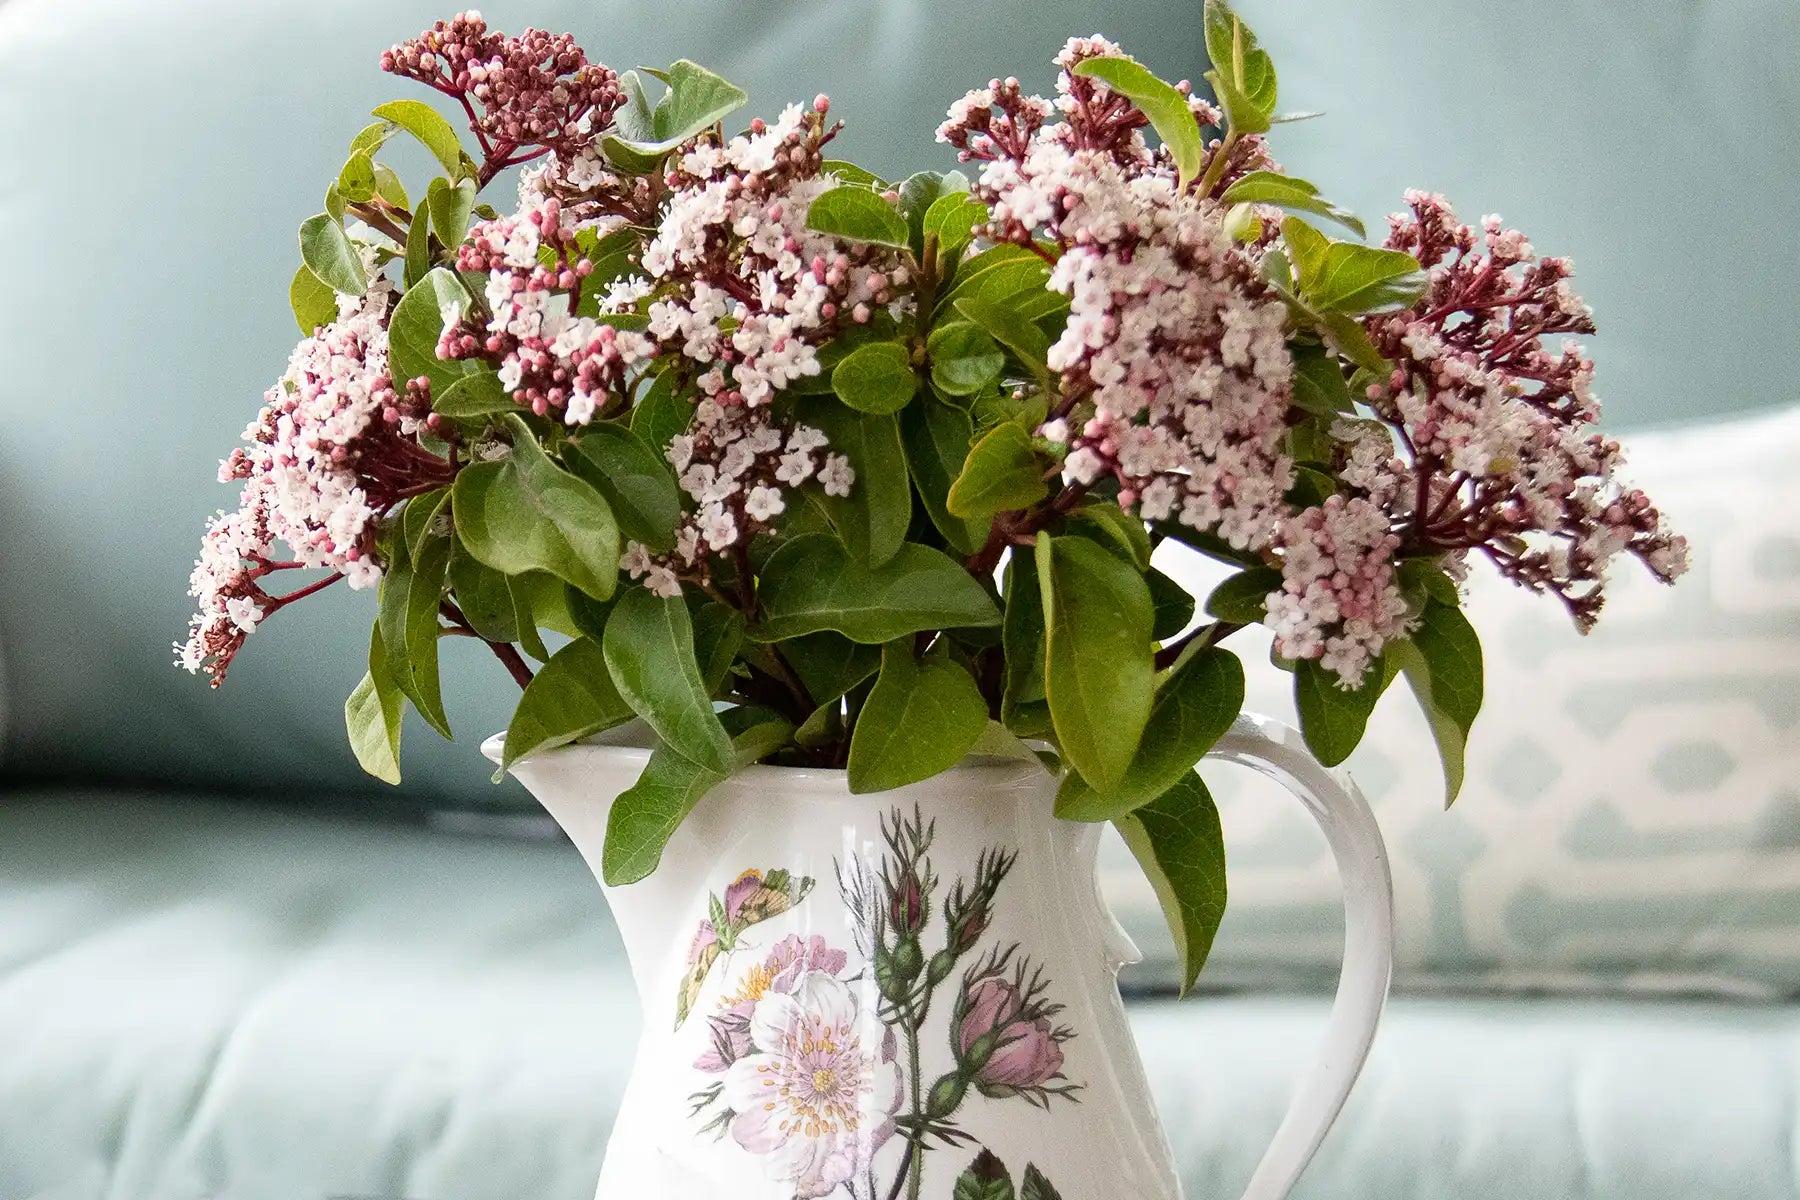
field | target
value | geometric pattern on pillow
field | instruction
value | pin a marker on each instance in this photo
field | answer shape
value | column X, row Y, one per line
column 1631, row 815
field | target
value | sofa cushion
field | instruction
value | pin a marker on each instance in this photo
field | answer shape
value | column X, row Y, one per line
column 1631, row 818
column 203, row 1000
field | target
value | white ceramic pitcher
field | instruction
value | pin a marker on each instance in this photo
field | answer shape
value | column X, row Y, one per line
column 876, row 996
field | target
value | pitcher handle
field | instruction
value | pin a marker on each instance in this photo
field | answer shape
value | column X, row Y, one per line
column 1279, row 752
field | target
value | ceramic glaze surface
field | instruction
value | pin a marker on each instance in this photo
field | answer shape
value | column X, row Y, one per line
column 875, row 997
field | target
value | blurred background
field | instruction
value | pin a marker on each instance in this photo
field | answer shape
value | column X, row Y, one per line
column 233, row 966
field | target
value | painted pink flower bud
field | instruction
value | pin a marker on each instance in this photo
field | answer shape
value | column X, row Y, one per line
column 906, row 907
column 1022, row 1053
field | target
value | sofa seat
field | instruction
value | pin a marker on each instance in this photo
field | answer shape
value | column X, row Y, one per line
column 204, row 1000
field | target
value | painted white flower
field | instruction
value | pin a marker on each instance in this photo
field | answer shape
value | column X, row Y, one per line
column 815, row 1097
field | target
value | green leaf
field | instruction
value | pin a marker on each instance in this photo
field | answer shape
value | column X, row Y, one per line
column 696, row 99
column 1347, row 335
column 389, row 187
column 649, row 647
column 1333, row 717
column 953, row 218
column 417, row 323
column 1177, row 841
column 1423, row 577
column 450, row 210
column 525, row 620
column 418, row 249
column 1242, row 598
column 1194, row 707
column 587, row 614
column 1307, row 250
column 1167, row 109
column 571, row 697
column 857, row 214
column 1272, row 187
column 756, row 732
column 920, row 719
column 1174, row 606
column 1319, row 384
column 1098, row 675
column 646, row 815
column 429, row 127
column 1238, row 58
column 1022, row 636
column 315, row 303
column 936, row 437
column 1035, row 1187
column 812, row 583
column 420, row 515
column 372, row 716
column 849, row 172
column 1114, row 528
column 997, row 741
column 986, row 1179
column 483, row 595
column 1027, row 342
column 636, row 481
column 356, row 181
column 718, row 632
column 373, row 137
column 874, row 517
column 1003, row 473
column 875, row 378
column 964, row 358
column 1241, row 113
column 628, row 159
column 635, row 119
column 1442, row 662
column 660, row 415
column 1362, row 279
column 829, row 664
column 478, row 395
column 996, row 274
column 524, row 513
column 919, row 192
column 411, row 591
column 326, row 250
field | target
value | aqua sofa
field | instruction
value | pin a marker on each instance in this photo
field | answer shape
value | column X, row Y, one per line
column 231, row 967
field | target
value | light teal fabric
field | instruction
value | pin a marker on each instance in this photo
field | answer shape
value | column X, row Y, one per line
column 201, row 1000
column 153, row 211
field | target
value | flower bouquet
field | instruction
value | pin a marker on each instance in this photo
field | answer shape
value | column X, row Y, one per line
column 714, row 429
column 797, row 466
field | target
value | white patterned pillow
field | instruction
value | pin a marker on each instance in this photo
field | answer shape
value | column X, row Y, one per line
column 1631, row 818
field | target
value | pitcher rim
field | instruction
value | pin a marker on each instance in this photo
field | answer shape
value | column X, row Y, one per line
column 632, row 743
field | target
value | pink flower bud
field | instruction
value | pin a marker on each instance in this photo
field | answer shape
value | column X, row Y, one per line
column 1025, row 1052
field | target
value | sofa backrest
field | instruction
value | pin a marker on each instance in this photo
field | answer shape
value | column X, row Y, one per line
column 160, row 157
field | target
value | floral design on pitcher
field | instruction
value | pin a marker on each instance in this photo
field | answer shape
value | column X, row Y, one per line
column 813, row 1097
column 752, row 898
column 821, row 1056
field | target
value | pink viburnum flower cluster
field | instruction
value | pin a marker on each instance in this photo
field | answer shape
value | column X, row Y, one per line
column 1497, row 425
column 733, row 246
column 1172, row 338
column 550, row 359
column 1339, row 601
column 330, row 452
column 733, row 284
column 536, row 89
